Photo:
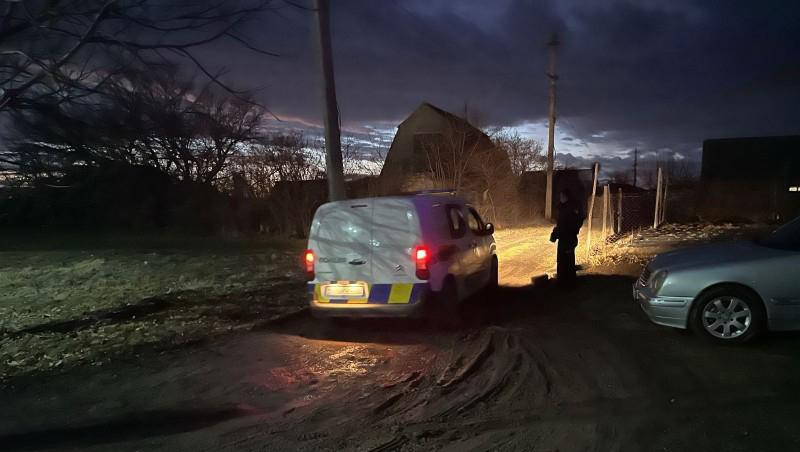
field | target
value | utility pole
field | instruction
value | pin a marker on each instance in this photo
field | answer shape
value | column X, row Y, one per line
column 635, row 164
column 552, row 76
column 659, row 194
column 333, row 156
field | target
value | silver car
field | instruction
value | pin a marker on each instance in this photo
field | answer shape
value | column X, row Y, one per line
column 727, row 292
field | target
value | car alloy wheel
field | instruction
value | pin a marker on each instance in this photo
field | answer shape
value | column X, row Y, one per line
column 726, row 317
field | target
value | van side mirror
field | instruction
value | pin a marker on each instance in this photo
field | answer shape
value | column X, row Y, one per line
column 488, row 228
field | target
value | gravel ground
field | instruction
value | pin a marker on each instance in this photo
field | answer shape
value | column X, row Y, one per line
column 533, row 368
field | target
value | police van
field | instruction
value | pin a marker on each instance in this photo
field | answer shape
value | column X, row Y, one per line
column 408, row 255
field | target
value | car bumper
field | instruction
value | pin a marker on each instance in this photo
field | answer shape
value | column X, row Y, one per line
column 667, row 311
column 328, row 310
column 415, row 305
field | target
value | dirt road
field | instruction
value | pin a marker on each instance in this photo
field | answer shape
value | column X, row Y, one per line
column 532, row 369
column 527, row 252
column 524, row 253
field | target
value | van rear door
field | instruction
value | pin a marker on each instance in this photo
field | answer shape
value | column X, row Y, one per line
column 396, row 231
column 341, row 237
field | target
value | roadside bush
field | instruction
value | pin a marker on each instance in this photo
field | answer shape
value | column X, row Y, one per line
column 117, row 197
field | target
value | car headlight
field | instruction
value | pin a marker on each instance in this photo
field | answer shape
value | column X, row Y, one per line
column 657, row 280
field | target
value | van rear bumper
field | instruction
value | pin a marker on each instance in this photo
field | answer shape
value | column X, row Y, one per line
column 328, row 310
column 385, row 300
column 372, row 310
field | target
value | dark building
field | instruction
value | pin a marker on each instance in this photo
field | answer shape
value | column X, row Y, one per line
column 753, row 178
column 433, row 146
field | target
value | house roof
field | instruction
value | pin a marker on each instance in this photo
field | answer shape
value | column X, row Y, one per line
column 450, row 116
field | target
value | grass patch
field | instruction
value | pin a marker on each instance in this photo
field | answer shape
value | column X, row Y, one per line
column 207, row 286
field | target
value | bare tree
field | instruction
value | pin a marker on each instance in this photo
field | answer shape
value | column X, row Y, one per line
column 466, row 160
column 359, row 161
column 450, row 155
column 277, row 158
column 524, row 154
column 56, row 51
column 152, row 119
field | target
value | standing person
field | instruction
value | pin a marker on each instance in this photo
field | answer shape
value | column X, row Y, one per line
column 570, row 220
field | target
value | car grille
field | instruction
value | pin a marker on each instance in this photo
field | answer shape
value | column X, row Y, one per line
column 645, row 277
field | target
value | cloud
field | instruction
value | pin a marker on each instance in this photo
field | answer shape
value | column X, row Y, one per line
column 643, row 74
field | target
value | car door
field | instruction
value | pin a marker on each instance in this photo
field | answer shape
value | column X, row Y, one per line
column 480, row 244
column 776, row 273
column 776, row 278
column 457, row 251
column 340, row 237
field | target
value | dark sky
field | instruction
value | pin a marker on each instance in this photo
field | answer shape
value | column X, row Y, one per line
column 659, row 75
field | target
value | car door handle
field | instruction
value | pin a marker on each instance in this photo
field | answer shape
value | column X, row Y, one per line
column 357, row 262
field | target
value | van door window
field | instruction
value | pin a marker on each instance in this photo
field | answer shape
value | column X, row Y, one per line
column 458, row 226
column 474, row 221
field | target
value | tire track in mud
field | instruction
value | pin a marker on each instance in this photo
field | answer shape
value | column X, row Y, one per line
column 559, row 374
column 508, row 374
column 487, row 367
column 526, row 377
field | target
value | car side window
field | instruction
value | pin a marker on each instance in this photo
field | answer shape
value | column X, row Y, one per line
column 474, row 221
column 456, row 222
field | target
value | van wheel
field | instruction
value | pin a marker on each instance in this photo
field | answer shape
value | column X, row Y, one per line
column 728, row 315
column 494, row 277
column 445, row 312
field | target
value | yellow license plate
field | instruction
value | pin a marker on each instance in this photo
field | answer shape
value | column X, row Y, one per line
column 344, row 291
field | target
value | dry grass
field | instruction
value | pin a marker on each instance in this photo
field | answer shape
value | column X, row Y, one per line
column 63, row 306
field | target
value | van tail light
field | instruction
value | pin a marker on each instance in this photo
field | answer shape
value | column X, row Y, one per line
column 308, row 260
column 422, row 259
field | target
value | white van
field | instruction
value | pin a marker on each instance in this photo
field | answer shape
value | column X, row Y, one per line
column 397, row 256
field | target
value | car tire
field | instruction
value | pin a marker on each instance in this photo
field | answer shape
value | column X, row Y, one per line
column 729, row 315
column 494, row 278
column 445, row 312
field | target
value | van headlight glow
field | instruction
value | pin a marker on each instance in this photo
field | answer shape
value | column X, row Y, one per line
column 657, row 280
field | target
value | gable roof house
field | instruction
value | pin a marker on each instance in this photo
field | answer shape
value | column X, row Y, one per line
column 435, row 149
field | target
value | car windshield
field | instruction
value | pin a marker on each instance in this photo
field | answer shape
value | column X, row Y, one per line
column 786, row 237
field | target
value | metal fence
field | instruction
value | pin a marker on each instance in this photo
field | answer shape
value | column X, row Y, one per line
column 634, row 211
column 612, row 215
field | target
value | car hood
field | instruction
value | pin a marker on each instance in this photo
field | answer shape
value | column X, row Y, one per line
column 709, row 255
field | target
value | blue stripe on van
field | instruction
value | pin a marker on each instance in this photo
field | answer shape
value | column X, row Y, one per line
column 418, row 292
column 379, row 293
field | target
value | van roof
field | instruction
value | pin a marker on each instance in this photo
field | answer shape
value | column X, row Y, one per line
column 418, row 199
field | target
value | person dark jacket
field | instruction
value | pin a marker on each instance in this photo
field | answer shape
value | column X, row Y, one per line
column 569, row 222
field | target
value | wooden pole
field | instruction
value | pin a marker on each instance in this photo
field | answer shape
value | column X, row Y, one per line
column 657, row 216
column 552, row 76
column 333, row 156
column 664, row 199
column 591, row 210
column 619, row 211
column 605, row 210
